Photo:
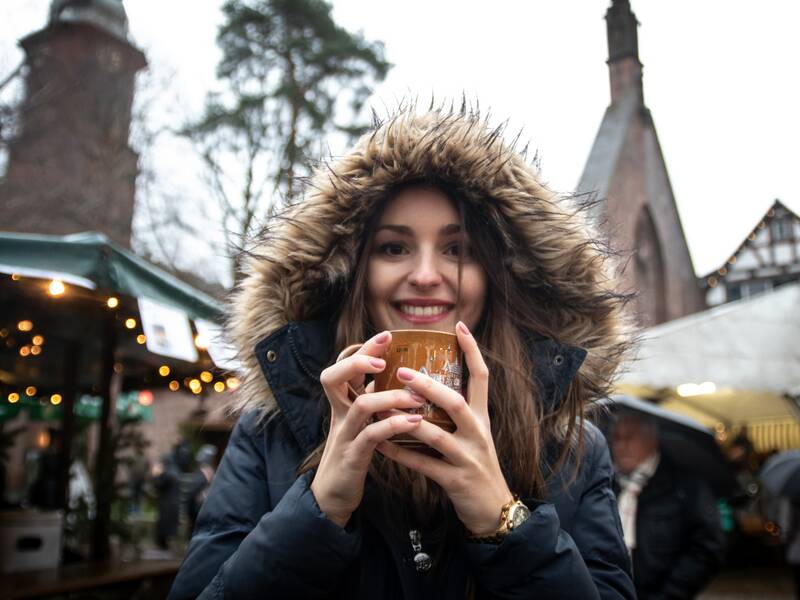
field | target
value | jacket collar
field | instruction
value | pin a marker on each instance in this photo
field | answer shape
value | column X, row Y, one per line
column 292, row 358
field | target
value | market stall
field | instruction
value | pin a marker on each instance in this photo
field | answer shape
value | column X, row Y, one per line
column 87, row 327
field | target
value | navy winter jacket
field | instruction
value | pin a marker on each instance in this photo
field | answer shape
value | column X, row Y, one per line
column 261, row 534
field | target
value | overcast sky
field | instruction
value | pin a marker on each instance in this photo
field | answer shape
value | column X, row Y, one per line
column 720, row 80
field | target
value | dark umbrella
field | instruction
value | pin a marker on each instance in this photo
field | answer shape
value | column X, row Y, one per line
column 781, row 474
column 688, row 445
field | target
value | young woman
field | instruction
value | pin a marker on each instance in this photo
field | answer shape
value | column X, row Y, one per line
column 431, row 222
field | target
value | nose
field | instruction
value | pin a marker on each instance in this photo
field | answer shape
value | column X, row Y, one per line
column 426, row 272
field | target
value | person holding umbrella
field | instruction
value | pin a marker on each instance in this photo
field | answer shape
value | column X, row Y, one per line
column 780, row 475
column 669, row 519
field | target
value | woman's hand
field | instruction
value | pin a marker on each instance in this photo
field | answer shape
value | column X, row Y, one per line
column 338, row 484
column 470, row 473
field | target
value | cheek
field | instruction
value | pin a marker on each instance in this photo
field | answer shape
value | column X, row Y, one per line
column 474, row 288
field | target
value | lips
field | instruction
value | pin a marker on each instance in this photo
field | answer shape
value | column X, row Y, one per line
column 423, row 310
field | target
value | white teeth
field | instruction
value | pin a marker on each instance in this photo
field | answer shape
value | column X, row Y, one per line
column 423, row 311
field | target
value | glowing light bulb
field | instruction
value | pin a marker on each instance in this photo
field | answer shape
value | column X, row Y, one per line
column 55, row 399
column 112, row 302
column 56, row 288
column 130, row 323
column 206, row 377
column 219, row 386
column 163, row 370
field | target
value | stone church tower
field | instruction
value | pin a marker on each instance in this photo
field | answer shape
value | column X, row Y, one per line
column 70, row 168
column 627, row 176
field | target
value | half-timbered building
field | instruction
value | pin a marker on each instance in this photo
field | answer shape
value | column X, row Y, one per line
column 768, row 258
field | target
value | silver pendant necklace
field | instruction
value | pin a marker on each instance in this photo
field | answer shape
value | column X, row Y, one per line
column 422, row 560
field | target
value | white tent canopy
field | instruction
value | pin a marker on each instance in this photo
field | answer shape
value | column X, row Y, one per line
column 751, row 344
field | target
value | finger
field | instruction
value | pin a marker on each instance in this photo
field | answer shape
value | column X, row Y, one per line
column 439, row 439
column 442, row 396
column 478, row 389
column 433, row 468
column 366, row 405
column 336, row 379
column 380, row 431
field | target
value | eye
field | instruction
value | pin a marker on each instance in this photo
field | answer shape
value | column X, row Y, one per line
column 457, row 249
column 391, row 249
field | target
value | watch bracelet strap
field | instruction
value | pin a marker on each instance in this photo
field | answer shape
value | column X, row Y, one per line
column 503, row 529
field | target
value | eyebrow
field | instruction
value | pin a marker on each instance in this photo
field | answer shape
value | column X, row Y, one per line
column 405, row 230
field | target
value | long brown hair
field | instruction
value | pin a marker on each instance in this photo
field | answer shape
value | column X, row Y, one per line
column 521, row 428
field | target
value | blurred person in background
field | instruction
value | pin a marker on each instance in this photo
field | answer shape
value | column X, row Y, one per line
column 201, row 481
column 669, row 518
column 166, row 482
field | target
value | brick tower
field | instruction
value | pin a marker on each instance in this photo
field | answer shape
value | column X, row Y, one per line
column 70, row 168
column 627, row 174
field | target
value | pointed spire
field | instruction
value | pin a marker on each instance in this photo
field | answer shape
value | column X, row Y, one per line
column 622, row 37
column 625, row 70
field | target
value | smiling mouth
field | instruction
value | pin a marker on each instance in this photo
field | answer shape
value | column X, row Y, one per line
column 414, row 311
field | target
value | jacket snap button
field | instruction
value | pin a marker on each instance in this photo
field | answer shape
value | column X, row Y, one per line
column 558, row 360
column 271, row 356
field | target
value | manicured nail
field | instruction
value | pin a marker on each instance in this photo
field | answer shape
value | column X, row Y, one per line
column 414, row 418
column 405, row 374
column 382, row 337
column 462, row 328
column 417, row 398
column 378, row 363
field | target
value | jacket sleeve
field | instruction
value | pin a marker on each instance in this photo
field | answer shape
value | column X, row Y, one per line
column 541, row 560
column 703, row 553
column 241, row 549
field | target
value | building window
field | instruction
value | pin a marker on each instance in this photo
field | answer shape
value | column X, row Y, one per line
column 747, row 289
column 781, row 229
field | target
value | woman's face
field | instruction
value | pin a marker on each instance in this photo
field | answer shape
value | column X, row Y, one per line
column 412, row 269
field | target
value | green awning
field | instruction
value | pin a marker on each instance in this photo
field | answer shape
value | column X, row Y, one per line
column 91, row 260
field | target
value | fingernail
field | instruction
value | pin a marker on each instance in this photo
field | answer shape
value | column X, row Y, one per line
column 414, row 418
column 463, row 328
column 378, row 363
column 405, row 374
column 382, row 337
column 417, row 398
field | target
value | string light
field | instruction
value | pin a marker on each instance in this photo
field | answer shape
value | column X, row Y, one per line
column 13, row 397
column 56, row 288
column 712, row 282
column 206, row 377
column 36, row 350
column 55, row 399
column 232, row 383
column 25, row 325
column 141, row 338
column 3, row 333
column 195, row 386
column 30, row 391
column 15, row 277
column 25, row 351
column 219, row 387
column 38, row 340
column 201, row 341
column 174, row 386
column 163, row 370
column 117, row 367
column 130, row 323
column 112, row 302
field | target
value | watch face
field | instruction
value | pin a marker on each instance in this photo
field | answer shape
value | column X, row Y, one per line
column 519, row 515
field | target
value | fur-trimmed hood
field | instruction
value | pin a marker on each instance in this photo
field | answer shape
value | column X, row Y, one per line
column 300, row 265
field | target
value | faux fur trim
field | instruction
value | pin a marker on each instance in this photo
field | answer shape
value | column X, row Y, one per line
column 306, row 254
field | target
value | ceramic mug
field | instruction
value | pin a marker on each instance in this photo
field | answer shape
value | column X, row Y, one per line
column 435, row 353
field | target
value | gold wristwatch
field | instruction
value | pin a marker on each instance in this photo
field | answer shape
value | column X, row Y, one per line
column 512, row 515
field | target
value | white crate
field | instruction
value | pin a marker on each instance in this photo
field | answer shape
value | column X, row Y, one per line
column 30, row 540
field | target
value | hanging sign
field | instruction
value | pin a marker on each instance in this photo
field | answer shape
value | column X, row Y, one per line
column 167, row 330
column 221, row 352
